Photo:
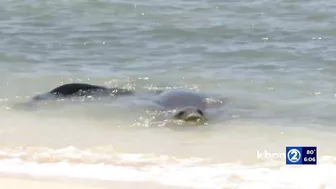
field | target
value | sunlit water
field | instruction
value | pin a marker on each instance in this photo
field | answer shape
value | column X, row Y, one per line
column 274, row 60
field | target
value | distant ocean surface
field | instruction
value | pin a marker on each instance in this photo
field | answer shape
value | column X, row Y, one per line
column 274, row 60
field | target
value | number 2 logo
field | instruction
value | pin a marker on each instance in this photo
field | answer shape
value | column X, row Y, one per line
column 294, row 155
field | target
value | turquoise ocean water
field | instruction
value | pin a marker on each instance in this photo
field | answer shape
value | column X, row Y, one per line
column 274, row 60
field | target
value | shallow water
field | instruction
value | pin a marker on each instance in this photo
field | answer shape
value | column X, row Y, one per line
column 274, row 60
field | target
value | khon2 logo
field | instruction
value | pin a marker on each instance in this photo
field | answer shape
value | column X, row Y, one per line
column 300, row 155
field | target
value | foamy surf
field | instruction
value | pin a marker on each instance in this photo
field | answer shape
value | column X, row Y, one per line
column 194, row 172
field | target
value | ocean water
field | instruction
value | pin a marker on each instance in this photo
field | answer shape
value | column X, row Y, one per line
column 274, row 60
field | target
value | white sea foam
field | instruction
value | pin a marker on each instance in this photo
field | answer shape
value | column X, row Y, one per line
column 167, row 170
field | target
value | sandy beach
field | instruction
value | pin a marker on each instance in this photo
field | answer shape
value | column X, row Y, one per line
column 25, row 183
column 18, row 183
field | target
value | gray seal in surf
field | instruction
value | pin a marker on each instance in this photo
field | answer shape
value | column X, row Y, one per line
column 187, row 106
column 72, row 90
column 81, row 90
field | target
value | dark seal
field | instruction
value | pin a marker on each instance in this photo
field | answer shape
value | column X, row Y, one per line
column 188, row 106
column 81, row 90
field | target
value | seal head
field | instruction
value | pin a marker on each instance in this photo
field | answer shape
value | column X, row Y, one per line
column 186, row 105
column 190, row 114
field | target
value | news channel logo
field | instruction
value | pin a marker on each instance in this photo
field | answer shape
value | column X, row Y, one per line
column 301, row 155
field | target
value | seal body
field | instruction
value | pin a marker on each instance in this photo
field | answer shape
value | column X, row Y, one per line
column 186, row 105
column 81, row 89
